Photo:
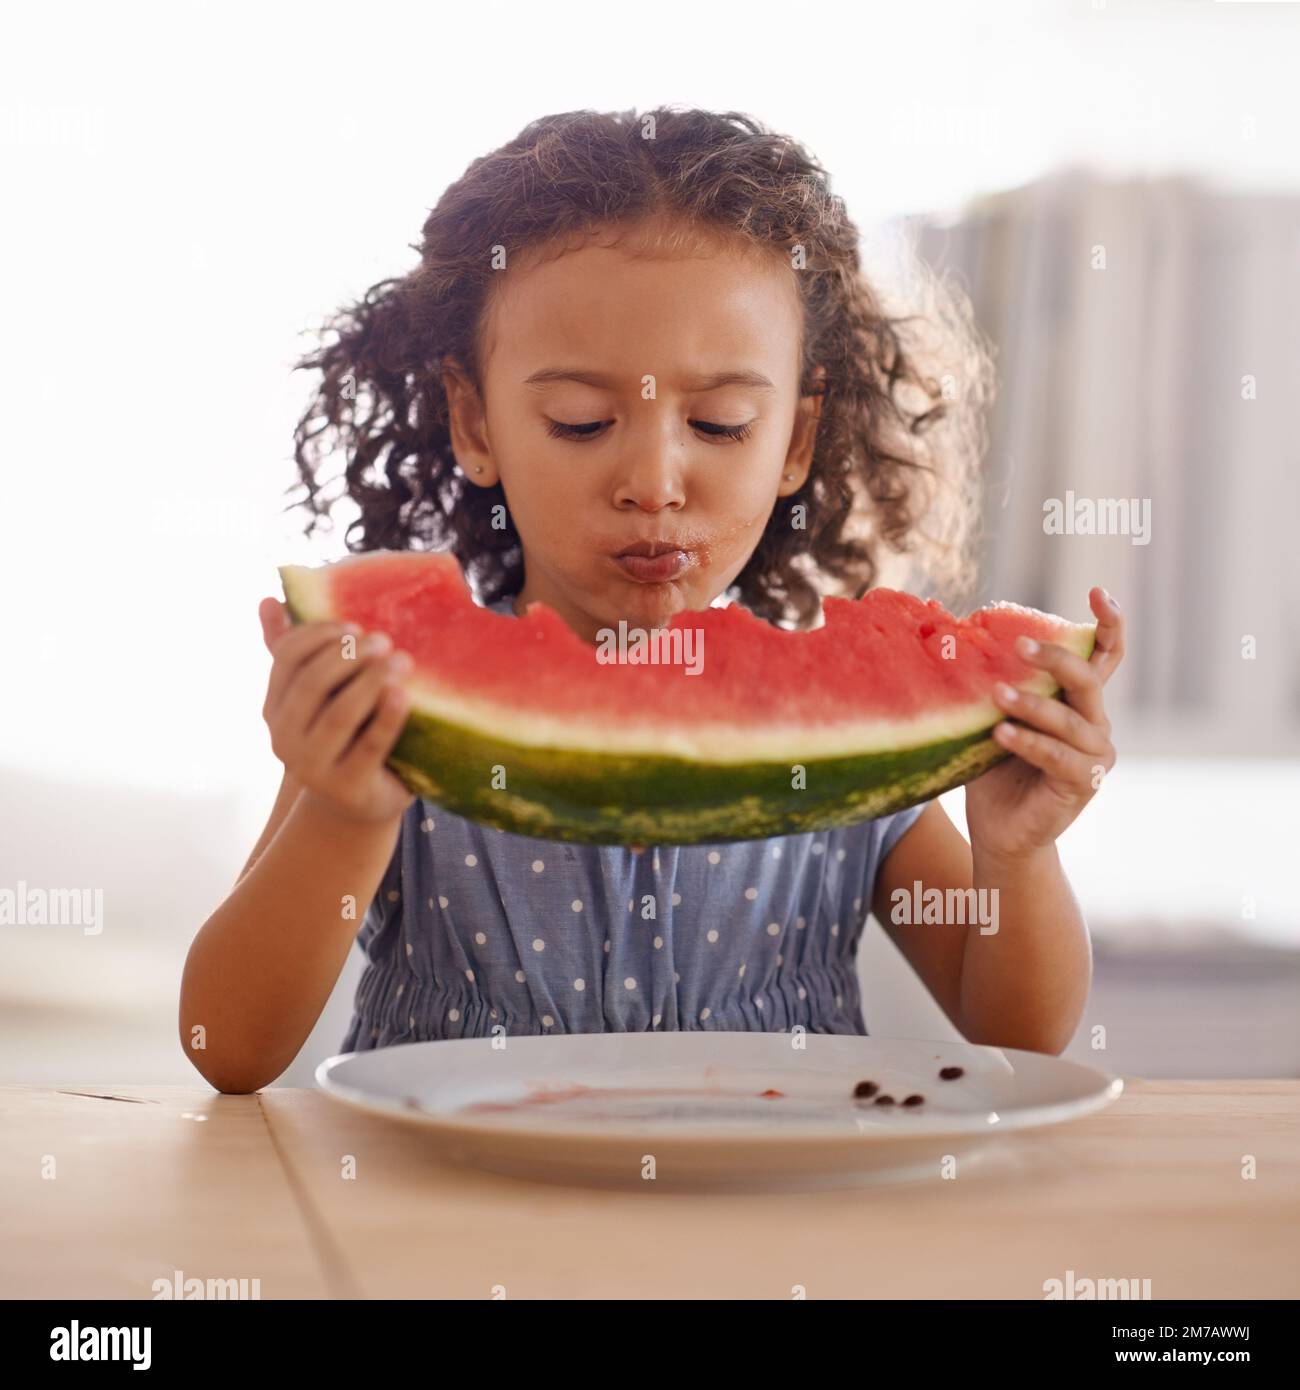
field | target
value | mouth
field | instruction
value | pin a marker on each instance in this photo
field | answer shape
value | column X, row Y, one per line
column 654, row 562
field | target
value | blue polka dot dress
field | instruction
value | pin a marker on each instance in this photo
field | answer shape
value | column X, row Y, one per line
column 474, row 929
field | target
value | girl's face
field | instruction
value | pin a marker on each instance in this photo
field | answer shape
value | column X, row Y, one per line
column 632, row 400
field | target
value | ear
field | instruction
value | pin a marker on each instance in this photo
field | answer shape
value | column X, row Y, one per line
column 467, row 425
column 798, row 459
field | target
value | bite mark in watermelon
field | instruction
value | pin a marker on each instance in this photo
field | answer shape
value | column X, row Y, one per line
column 868, row 705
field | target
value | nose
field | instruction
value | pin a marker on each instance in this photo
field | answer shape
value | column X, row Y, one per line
column 652, row 466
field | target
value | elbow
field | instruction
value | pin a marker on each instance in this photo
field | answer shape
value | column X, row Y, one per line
column 225, row 1080
column 222, row 1068
column 235, row 1086
column 1050, row 1041
column 225, row 1076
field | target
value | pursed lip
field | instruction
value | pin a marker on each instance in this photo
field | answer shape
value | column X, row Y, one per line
column 664, row 568
column 651, row 549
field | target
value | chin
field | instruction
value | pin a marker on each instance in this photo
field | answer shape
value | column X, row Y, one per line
column 654, row 604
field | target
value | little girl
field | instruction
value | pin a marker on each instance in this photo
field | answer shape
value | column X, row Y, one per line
column 638, row 371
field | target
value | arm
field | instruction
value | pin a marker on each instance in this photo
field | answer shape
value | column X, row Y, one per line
column 290, row 786
column 1024, row 985
column 262, row 966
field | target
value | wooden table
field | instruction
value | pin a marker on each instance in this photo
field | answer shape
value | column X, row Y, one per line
column 168, row 1179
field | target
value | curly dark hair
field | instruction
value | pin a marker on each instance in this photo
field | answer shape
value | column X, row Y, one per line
column 902, row 430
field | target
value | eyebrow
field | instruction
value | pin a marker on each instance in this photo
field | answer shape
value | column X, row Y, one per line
column 602, row 381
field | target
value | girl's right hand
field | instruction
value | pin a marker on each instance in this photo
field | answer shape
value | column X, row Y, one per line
column 317, row 706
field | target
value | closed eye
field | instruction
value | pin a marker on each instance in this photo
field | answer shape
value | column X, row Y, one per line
column 590, row 431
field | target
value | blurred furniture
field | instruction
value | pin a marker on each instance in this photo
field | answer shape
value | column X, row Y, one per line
column 1147, row 350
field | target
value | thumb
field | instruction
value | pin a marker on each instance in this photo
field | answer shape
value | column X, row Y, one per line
column 274, row 620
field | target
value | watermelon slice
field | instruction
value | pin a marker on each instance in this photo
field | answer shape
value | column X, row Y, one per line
column 517, row 723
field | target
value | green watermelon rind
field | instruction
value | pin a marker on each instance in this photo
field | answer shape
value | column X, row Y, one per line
column 554, row 795
column 582, row 797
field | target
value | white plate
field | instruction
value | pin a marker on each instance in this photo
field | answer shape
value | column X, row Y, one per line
column 614, row 1108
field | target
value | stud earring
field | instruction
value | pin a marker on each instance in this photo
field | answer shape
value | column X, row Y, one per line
column 788, row 476
column 477, row 468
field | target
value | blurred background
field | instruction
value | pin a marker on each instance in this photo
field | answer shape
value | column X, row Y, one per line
column 194, row 187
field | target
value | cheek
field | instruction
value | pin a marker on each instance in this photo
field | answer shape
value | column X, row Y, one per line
column 737, row 503
column 540, row 479
column 548, row 495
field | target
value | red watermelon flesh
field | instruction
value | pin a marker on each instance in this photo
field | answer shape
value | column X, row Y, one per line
column 887, row 659
column 517, row 723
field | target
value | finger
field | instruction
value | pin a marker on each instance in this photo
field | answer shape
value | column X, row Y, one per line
column 295, row 649
column 637, row 849
column 323, row 675
column 375, row 742
column 1069, row 771
column 1079, row 680
column 1053, row 717
column 340, row 718
column 276, row 621
column 1108, row 651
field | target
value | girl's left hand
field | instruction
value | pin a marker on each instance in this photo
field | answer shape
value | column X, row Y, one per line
column 1026, row 801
